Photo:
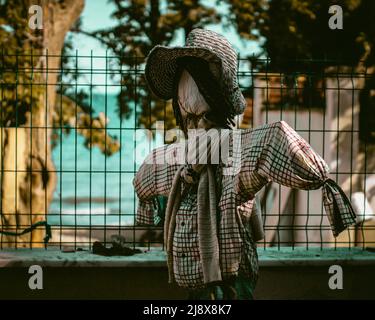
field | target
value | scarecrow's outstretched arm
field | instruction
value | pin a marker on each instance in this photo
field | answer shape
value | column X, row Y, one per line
column 275, row 152
column 154, row 178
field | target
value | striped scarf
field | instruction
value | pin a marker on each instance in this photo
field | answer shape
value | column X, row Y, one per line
column 207, row 223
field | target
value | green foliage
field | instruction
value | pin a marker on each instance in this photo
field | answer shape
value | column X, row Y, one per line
column 19, row 53
column 22, row 84
column 299, row 29
column 246, row 16
column 291, row 29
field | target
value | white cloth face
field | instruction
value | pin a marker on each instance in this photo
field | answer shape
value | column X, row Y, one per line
column 192, row 103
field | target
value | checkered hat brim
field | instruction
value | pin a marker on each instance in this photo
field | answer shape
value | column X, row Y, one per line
column 161, row 65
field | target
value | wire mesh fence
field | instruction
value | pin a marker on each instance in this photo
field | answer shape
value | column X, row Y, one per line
column 75, row 128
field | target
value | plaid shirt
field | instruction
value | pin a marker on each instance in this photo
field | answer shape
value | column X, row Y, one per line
column 273, row 152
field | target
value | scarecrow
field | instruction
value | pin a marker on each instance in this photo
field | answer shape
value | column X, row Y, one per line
column 212, row 222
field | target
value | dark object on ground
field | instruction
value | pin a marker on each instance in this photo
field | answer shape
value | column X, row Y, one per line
column 71, row 249
column 115, row 250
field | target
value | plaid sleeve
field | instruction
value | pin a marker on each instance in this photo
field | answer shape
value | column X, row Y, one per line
column 277, row 153
column 154, row 178
column 147, row 213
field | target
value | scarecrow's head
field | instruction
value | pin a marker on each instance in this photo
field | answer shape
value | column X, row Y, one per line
column 200, row 77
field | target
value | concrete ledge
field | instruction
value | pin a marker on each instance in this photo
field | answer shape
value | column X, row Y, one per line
column 300, row 256
column 56, row 258
column 283, row 274
column 271, row 257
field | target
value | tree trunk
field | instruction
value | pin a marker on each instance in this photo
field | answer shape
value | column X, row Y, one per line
column 28, row 177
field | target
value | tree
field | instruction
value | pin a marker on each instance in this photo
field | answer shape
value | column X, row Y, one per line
column 28, row 175
column 32, row 105
column 298, row 29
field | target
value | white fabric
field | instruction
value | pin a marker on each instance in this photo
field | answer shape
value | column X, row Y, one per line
column 189, row 96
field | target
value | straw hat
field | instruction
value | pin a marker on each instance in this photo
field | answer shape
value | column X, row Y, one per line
column 162, row 65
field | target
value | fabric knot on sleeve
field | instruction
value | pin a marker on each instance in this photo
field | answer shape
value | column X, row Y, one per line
column 338, row 207
column 189, row 175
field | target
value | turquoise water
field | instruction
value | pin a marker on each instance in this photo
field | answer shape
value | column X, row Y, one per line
column 93, row 189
